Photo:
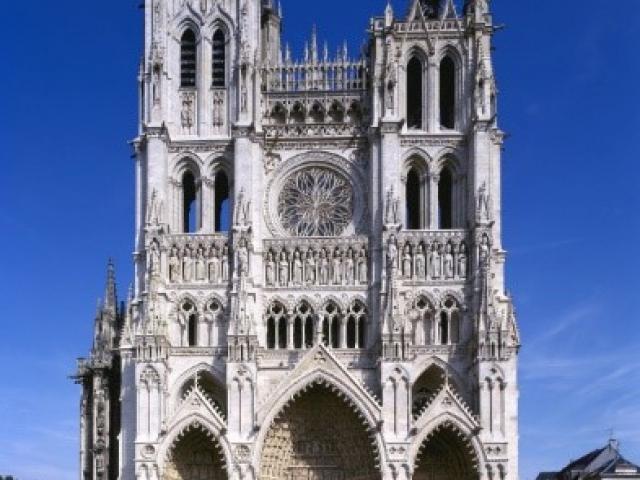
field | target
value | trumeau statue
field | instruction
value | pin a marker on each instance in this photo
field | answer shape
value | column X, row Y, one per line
column 343, row 284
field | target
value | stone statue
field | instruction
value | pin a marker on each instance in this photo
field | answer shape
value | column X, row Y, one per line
column 484, row 251
column 349, row 268
column 284, row 269
column 407, row 262
column 243, row 258
column 154, row 259
column 174, row 265
column 363, row 267
column 214, row 266
column 187, row 114
column 392, row 255
column 392, row 216
column 421, row 263
column 297, row 269
column 224, row 261
column 324, row 268
column 435, row 261
column 448, row 262
column 482, row 209
column 462, row 261
column 200, row 265
column 270, row 270
column 187, row 265
column 336, row 264
column 310, row 268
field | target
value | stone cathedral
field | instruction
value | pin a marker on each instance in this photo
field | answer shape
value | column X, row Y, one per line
column 319, row 274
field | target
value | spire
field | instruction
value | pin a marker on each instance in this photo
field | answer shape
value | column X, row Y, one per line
column 325, row 52
column 314, row 44
column 388, row 15
column 110, row 295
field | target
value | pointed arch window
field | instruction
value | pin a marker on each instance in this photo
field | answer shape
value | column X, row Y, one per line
column 303, row 327
column 222, row 203
column 449, row 322
column 331, row 325
column 357, row 326
column 190, row 210
column 446, row 200
column 277, row 318
column 193, row 330
column 416, row 196
column 188, row 59
column 448, row 93
column 415, row 94
column 219, row 60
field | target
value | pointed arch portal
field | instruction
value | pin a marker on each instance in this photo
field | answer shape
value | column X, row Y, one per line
column 303, row 443
column 446, row 455
column 195, row 456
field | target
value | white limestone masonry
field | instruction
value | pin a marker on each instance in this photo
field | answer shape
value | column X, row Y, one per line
column 352, row 322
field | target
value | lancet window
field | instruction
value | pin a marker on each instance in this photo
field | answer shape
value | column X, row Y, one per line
column 446, row 199
column 448, row 93
column 415, row 94
column 416, row 196
column 423, row 322
column 188, row 59
column 190, row 207
column 297, row 330
column 222, row 210
column 449, row 322
column 277, row 330
column 303, row 326
column 219, row 60
column 357, row 326
column 331, row 325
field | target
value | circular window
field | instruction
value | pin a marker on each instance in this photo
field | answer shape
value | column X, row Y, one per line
column 316, row 202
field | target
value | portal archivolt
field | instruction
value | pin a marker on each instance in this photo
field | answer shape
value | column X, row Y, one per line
column 318, row 437
column 195, row 456
column 446, row 455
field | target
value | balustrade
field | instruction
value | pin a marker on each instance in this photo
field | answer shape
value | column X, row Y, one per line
column 339, row 75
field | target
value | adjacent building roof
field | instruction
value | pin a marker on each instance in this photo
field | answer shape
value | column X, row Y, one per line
column 600, row 464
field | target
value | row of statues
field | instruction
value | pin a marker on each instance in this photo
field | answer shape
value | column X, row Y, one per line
column 423, row 262
column 317, row 267
column 201, row 263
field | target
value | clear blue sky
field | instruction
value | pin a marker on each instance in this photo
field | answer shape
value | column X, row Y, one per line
column 569, row 73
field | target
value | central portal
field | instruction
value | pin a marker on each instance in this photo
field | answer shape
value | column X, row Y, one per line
column 318, row 437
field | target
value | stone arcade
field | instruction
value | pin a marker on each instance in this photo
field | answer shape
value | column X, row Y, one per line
column 319, row 288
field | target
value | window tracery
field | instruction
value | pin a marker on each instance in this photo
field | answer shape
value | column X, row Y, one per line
column 316, row 202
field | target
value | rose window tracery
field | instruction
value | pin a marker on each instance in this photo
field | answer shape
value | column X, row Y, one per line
column 316, row 202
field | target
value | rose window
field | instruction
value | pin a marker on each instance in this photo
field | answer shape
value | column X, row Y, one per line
column 316, row 202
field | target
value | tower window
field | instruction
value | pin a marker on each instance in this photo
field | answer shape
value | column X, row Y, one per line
column 414, row 198
column 414, row 94
column 193, row 330
column 219, row 60
column 222, row 213
column 188, row 59
column 190, row 203
column 448, row 93
column 445, row 200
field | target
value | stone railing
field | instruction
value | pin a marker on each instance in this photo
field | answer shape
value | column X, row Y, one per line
column 197, row 259
column 338, row 75
column 326, row 262
column 433, row 256
column 432, row 25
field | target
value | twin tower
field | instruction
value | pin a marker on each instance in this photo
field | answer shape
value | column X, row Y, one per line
column 319, row 275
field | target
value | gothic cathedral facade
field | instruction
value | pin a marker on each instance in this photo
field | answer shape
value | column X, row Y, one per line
column 319, row 275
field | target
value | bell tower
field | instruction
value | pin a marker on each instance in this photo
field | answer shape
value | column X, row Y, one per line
column 320, row 234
